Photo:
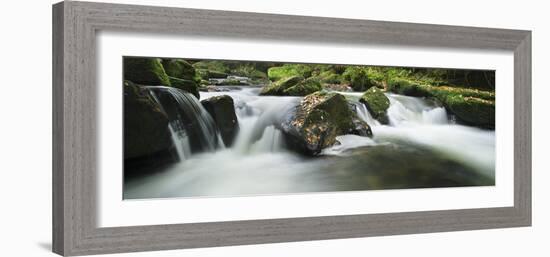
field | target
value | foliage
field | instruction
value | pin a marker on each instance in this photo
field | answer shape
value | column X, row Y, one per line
column 357, row 78
column 289, row 70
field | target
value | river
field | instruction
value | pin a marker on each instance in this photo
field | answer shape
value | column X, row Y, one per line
column 421, row 147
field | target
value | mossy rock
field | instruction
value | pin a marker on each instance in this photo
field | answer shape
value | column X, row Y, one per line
column 278, row 88
column 289, row 70
column 330, row 77
column 318, row 120
column 222, row 110
column 358, row 78
column 471, row 106
column 145, row 71
column 377, row 103
column 210, row 74
column 145, row 124
column 179, row 68
column 409, row 88
column 303, row 88
column 471, row 110
column 186, row 85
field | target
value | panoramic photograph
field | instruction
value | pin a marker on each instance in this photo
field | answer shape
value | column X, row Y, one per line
column 223, row 128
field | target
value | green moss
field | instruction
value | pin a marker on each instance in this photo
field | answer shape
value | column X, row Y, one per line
column 472, row 106
column 358, row 78
column 472, row 110
column 337, row 107
column 377, row 103
column 329, row 77
column 210, row 74
column 278, row 88
column 249, row 71
column 146, row 71
column 289, row 70
column 303, row 88
column 179, row 68
column 407, row 87
column 186, row 85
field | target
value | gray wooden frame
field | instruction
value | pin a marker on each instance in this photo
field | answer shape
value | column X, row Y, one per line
column 74, row 128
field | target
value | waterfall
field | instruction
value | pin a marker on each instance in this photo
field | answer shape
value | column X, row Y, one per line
column 365, row 115
column 407, row 110
column 257, row 116
column 191, row 126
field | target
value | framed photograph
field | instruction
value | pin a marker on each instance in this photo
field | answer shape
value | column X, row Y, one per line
column 183, row 128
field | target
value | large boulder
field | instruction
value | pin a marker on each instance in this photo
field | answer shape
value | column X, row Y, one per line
column 292, row 86
column 377, row 103
column 179, row 68
column 303, row 88
column 318, row 119
column 278, row 88
column 222, row 110
column 147, row 139
column 185, row 85
column 471, row 110
column 145, row 71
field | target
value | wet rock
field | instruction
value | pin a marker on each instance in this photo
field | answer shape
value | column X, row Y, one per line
column 179, row 68
column 222, row 110
column 292, row 86
column 147, row 140
column 145, row 71
column 185, row 85
column 315, row 123
column 377, row 103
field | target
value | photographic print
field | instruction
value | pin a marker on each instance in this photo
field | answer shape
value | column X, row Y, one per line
column 221, row 128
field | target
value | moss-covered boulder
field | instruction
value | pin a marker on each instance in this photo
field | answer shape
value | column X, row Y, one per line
column 317, row 120
column 407, row 87
column 204, row 74
column 146, row 71
column 377, row 103
column 179, row 68
column 472, row 110
column 292, row 86
column 304, row 87
column 185, row 84
column 289, row 70
column 222, row 110
column 146, row 134
column 357, row 78
column 278, row 88
column 330, row 77
column 471, row 106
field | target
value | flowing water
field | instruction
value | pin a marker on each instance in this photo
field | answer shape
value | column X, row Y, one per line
column 420, row 147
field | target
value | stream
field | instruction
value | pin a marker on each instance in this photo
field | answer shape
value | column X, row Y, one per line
column 421, row 147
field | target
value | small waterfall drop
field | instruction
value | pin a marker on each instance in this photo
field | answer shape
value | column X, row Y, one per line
column 407, row 110
column 191, row 126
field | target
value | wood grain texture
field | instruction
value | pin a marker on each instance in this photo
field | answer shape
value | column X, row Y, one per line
column 75, row 25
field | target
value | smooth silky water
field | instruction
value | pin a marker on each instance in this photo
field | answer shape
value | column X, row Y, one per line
column 421, row 147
